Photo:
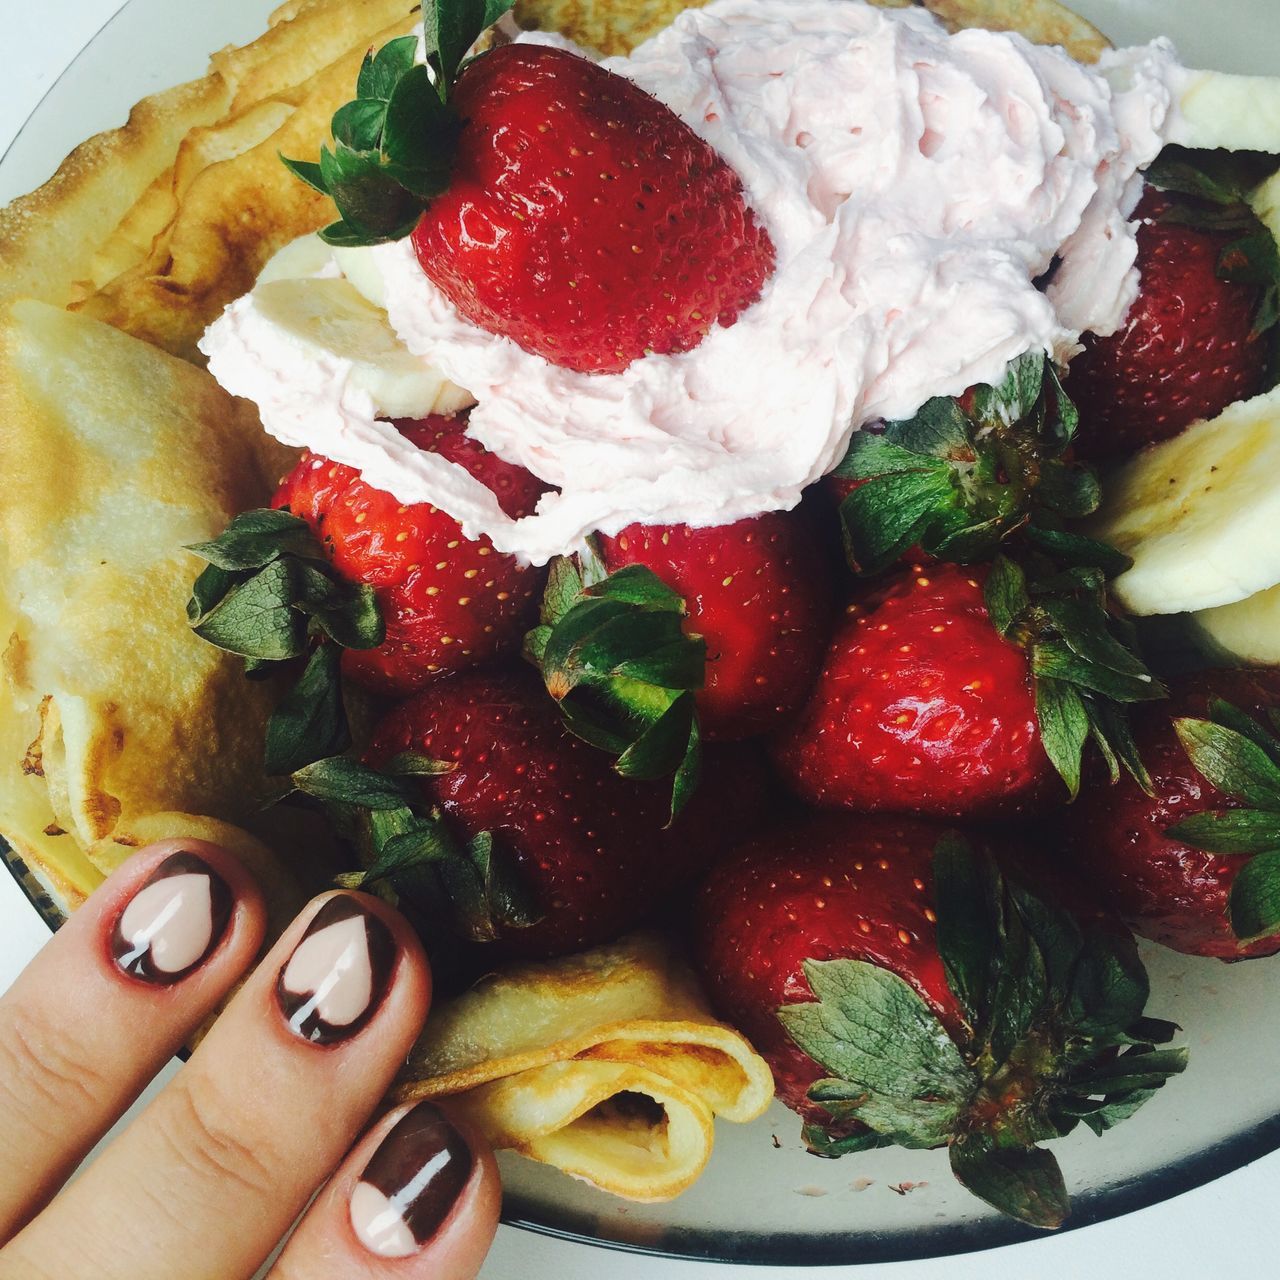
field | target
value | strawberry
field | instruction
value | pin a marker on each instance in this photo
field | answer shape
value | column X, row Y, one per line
column 1187, row 349
column 592, row 847
column 1193, row 864
column 552, row 201
column 757, row 593
column 903, row 992
column 920, row 707
column 448, row 602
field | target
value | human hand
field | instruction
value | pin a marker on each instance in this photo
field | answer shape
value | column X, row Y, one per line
column 209, row 1178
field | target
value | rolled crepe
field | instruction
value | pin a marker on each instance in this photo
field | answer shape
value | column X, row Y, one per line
column 114, row 456
column 608, row 1065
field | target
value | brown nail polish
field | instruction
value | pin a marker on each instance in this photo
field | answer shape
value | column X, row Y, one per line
column 173, row 921
column 336, row 978
column 411, row 1184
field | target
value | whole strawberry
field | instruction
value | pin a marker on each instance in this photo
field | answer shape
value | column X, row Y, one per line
column 1187, row 349
column 448, row 602
column 758, row 594
column 552, row 201
column 904, row 993
column 1195, row 863
column 922, row 707
column 592, row 848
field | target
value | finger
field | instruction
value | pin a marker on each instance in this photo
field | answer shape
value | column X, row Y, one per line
column 115, row 993
column 418, row 1198
column 208, row 1179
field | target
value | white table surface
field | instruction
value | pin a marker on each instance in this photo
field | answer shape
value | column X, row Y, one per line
column 1231, row 1225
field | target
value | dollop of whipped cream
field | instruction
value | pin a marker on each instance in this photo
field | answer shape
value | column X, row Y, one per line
column 918, row 186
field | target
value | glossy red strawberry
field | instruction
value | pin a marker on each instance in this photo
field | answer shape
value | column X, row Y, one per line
column 1166, row 887
column 905, row 993
column 449, row 602
column 831, row 886
column 758, row 592
column 920, row 707
column 1186, row 350
column 584, row 219
column 592, row 846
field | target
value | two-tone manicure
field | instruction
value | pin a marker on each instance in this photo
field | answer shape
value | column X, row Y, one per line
column 170, row 926
column 338, row 973
column 411, row 1184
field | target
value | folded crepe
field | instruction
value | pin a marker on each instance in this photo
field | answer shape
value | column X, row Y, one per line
column 608, row 1065
column 114, row 456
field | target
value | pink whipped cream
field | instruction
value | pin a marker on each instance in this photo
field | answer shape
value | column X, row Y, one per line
column 916, row 185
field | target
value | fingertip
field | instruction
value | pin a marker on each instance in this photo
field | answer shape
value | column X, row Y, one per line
column 419, row 1196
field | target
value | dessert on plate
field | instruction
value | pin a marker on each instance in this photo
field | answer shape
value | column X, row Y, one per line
column 672, row 499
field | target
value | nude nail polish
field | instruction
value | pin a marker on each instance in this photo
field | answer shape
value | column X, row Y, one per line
column 338, row 973
column 172, row 923
column 411, row 1184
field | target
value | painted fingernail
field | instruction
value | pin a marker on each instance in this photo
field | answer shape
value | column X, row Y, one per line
column 173, row 922
column 336, row 978
column 412, row 1183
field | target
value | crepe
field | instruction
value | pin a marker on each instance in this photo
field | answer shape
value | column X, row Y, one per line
column 617, row 26
column 114, row 456
column 608, row 1065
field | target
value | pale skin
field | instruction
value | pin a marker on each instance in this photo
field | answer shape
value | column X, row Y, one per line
column 214, row 1172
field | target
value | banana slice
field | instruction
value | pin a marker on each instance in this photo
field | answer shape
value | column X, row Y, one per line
column 1240, row 113
column 1248, row 631
column 360, row 268
column 1199, row 514
column 330, row 318
column 300, row 259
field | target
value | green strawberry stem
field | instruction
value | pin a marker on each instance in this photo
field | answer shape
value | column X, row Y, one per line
column 989, row 478
column 614, row 654
column 1053, row 1034
column 1241, row 758
column 269, row 594
column 394, row 143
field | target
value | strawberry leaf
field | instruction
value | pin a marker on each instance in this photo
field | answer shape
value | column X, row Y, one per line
column 1234, row 764
column 311, row 722
column 1229, row 831
column 616, row 657
column 967, row 893
column 1064, row 728
column 1254, row 904
column 412, row 858
column 1023, row 1182
column 874, row 1032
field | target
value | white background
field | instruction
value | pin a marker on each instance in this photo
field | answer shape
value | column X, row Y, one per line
column 1229, row 1226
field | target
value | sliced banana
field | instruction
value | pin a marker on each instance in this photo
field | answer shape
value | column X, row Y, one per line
column 1199, row 514
column 300, row 259
column 1216, row 109
column 330, row 319
column 1249, row 630
column 360, row 267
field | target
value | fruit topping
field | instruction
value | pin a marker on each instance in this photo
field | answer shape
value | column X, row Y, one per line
column 447, row 602
column 1192, row 343
column 550, row 200
column 591, row 847
column 1196, row 863
column 898, row 983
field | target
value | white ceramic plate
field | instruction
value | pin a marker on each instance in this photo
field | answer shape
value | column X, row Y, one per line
column 760, row 1201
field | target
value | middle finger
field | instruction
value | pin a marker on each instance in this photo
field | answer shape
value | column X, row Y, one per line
column 228, row 1154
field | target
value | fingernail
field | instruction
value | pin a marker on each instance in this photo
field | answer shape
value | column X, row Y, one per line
column 173, row 922
column 412, row 1183
column 336, row 978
